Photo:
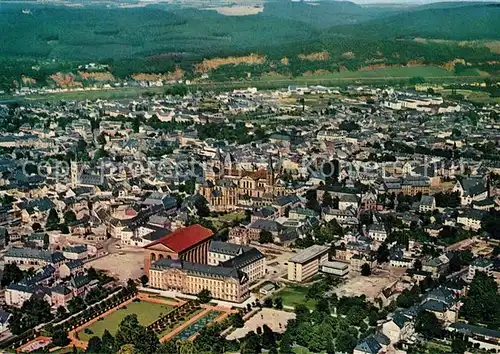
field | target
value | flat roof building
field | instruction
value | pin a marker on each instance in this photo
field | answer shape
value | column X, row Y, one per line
column 306, row 264
column 336, row 268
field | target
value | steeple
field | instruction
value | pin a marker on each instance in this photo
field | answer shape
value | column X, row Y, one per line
column 270, row 172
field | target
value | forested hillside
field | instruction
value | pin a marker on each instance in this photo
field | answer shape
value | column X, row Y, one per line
column 454, row 23
column 289, row 38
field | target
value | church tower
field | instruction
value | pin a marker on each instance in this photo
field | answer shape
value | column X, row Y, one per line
column 74, row 173
column 270, row 173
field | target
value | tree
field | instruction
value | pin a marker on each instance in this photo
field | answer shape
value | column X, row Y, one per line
column 237, row 320
column 345, row 342
column 251, row 344
column 204, row 296
column 327, row 200
column 131, row 332
column 69, row 217
column 76, row 304
column 167, row 348
column 94, row 345
column 61, row 312
column 312, row 200
column 266, row 237
column 278, row 303
column 177, row 90
column 383, row 254
column 53, row 221
column 128, row 349
column 408, row 298
column 108, row 342
column 144, row 279
column 131, row 286
column 11, row 274
column 201, row 205
column 356, row 314
column 268, row 337
column 64, row 229
column 268, row 302
column 321, row 337
column 286, row 344
column 458, row 346
column 60, row 338
column 136, row 124
column 33, row 312
column 366, row 270
column 101, row 139
column 427, row 324
column 417, row 265
column 481, row 302
column 36, row 226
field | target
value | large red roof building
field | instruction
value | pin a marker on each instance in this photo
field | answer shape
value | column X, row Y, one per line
column 189, row 243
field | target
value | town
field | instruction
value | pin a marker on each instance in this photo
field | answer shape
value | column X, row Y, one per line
column 307, row 219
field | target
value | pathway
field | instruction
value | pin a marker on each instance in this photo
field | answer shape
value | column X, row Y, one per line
column 177, row 330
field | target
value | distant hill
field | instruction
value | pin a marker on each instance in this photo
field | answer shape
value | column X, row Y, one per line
column 325, row 13
column 287, row 38
column 439, row 22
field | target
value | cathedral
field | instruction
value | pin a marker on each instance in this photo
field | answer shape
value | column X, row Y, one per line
column 225, row 188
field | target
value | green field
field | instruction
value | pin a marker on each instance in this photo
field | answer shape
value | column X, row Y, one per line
column 293, row 295
column 147, row 312
column 473, row 96
column 380, row 73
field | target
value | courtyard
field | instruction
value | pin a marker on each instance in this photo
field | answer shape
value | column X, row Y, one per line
column 126, row 264
column 275, row 319
column 371, row 286
column 147, row 313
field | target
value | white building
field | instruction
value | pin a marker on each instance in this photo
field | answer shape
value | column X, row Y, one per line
column 479, row 265
column 336, row 268
column 306, row 264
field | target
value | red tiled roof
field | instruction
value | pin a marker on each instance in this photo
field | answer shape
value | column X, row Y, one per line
column 182, row 239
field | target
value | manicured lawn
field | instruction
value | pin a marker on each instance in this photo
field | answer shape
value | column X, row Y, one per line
column 293, row 295
column 147, row 312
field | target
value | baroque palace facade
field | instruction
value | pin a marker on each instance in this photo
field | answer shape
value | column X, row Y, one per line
column 225, row 188
column 187, row 260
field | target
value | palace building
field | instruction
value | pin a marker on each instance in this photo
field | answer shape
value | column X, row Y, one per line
column 225, row 283
column 189, row 244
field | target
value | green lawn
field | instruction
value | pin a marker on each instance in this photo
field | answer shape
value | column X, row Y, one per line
column 147, row 312
column 293, row 295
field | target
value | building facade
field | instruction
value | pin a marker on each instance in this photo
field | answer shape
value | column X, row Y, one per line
column 306, row 264
column 228, row 284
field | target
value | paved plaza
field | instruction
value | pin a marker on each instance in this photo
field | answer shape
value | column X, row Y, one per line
column 271, row 317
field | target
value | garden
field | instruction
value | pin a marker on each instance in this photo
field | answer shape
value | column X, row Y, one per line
column 147, row 313
column 181, row 314
column 197, row 326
